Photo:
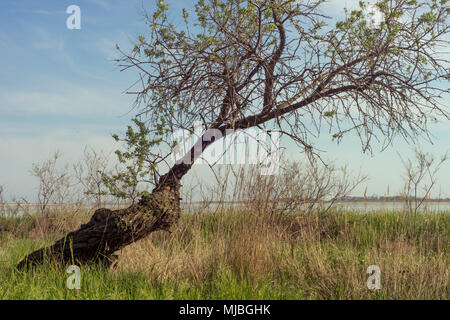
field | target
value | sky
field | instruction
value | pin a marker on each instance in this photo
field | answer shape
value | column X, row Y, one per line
column 60, row 90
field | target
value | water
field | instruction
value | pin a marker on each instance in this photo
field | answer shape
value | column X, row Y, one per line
column 363, row 207
column 393, row 206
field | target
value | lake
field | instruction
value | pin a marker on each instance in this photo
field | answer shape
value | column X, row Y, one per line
column 431, row 206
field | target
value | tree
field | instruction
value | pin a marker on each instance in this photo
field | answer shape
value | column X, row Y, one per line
column 139, row 163
column 54, row 184
column 89, row 173
column 272, row 63
column 420, row 173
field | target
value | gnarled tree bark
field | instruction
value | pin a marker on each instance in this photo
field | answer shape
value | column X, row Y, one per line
column 110, row 230
column 356, row 78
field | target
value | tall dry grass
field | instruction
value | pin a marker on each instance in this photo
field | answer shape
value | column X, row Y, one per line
column 291, row 249
column 244, row 254
column 321, row 256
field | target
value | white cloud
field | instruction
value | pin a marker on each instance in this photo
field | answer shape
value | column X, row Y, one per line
column 44, row 40
column 64, row 99
column 44, row 12
column 107, row 48
column 23, row 151
column 101, row 3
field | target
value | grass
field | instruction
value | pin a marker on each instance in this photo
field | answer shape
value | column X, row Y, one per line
column 244, row 255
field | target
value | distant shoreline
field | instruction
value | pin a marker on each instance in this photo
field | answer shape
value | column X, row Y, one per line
column 394, row 200
column 107, row 204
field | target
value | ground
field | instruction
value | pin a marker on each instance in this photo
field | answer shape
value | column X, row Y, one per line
column 245, row 255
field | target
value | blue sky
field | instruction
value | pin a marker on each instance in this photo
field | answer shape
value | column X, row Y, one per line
column 60, row 90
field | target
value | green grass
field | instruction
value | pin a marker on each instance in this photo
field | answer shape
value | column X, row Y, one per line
column 239, row 255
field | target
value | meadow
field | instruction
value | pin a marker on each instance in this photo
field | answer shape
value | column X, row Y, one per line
column 244, row 254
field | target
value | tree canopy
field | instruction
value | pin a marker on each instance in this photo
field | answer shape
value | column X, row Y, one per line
column 250, row 63
column 239, row 64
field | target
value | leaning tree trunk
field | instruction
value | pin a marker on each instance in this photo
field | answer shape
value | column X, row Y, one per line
column 110, row 230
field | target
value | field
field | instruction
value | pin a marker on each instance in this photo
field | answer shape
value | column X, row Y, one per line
column 245, row 255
